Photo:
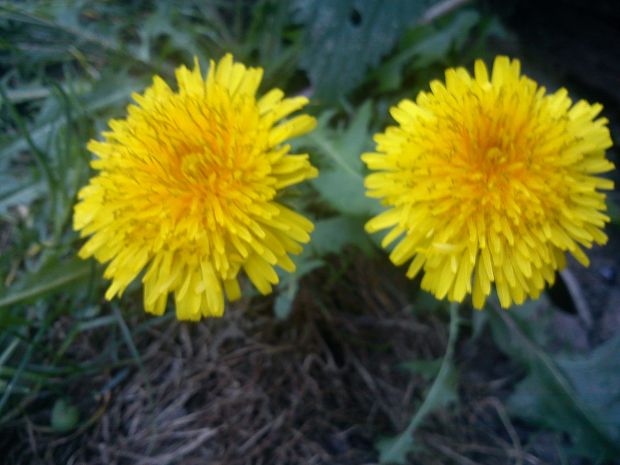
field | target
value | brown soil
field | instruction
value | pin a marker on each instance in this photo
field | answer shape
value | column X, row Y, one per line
column 316, row 389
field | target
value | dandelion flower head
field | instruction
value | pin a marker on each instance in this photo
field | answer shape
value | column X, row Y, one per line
column 488, row 182
column 187, row 187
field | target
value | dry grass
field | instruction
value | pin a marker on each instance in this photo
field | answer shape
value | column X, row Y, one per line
column 319, row 388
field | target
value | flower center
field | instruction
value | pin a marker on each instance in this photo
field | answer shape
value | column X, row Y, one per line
column 495, row 156
column 206, row 178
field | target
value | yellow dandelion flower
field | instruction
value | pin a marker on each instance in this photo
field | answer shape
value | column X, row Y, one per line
column 187, row 189
column 489, row 179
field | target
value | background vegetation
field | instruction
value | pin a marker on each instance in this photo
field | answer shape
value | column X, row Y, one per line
column 339, row 360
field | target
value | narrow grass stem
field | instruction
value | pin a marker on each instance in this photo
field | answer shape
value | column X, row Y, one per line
column 22, row 364
column 39, row 156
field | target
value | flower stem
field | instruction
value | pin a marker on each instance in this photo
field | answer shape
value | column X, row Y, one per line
column 403, row 442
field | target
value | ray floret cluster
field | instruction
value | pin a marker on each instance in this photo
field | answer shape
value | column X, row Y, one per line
column 186, row 190
column 488, row 181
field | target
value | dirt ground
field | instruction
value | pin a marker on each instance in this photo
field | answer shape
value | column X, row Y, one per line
column 319, row 388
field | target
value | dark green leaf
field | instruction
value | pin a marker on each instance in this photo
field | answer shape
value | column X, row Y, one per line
column 577, row 396
column 284, row 300
column 393, row 451
column 65, row 416
column 330, row 236
column 345, row 194
column 55, row 276
column 105, row 94
column 437, row 44
column 344, row 38
column 23, row 195
column 425, row 45
column 341, row 183
column 289, row 283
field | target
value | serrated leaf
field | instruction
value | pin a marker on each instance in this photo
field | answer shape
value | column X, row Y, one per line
column 331, row 235
column 425, row 45
column 356, row 138
column 596, row 379
column 577, row 395
column 344, row 38
column 341, row 183
column 345, row 194
column 439, row 43
column 343, row 147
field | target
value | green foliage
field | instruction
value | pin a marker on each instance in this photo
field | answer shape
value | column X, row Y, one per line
column 332, row 235
column 425, row 45
column 71, row 66
column 341, row 183
column 55, row 276
column 346, row 38
column 65, row 416
column 573, row 394
column 341, row 186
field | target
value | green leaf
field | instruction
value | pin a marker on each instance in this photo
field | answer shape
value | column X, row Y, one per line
column 574, row 395
column 425, row 45
column 341, row 183
column 394, row 450
column 436, row 46
column 596, row 378
column 343, row 147
column 344, row 38
column 289, row 283
column 65, row 416
column 345, row 194
column 283, row 303
column 53, row 277
column 331, row 235
column 22, row 195
column 528, row 319
column 479, row 321
column 104, row 94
